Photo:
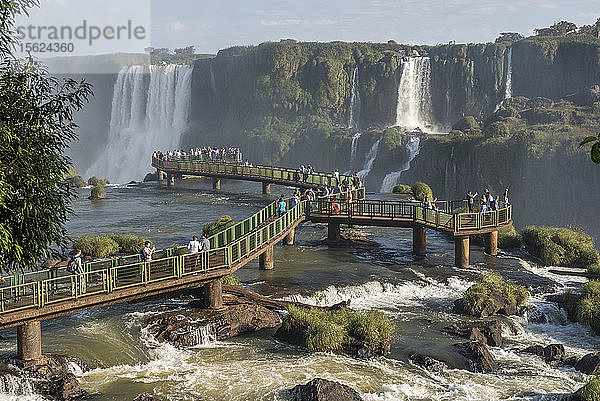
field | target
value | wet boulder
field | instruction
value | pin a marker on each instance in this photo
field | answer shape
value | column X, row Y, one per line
column 589, row 363
column 428, row 363
column 477, row 357
column 488, row 333
column 324, row 390
column 146, row 397
column 550, row 353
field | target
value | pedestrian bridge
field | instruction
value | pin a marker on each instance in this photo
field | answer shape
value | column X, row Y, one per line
column 26, row 299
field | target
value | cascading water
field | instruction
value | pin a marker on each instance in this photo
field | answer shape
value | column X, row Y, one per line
column 150, row 111
column 205, row 335
column 354, row 147
column 412, row 149
column 414, row 94
column 508, row 85
column 369, row 160
column 450, row 176
column 354, row 116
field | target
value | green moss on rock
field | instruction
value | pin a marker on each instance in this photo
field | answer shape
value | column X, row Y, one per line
column 560, row 246
column 422, row 192
column 492, row 294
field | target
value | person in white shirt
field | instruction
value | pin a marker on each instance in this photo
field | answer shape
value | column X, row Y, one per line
column 194, row 246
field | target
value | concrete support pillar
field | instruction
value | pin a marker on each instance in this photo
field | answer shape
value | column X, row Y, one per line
column 461, row 251
column 265, row 260
column 491, row 243
column 170, row 180
column 214, row 294
column 289, row 238
column 266, row 188
column 159, row 175
column 29, row 341
column 216, row 183
column 333, row 232
column 419, row 241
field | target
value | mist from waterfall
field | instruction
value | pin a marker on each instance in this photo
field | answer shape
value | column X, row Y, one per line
column 414, row 94
column 412, row 148
column 150, row 111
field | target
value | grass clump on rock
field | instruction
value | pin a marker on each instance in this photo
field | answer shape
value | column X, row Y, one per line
column 222, row 223
column 128, row 243
column 362, row 333
column 422, row 192
column 589, row 392
column 585, row 307
column 95, row 181
column 97, row 193
column 108, row 245
column 402, row 189
column 231, row 279
column 561, row 246
column 492, row 294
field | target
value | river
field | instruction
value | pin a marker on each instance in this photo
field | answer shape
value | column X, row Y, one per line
column 416, row 293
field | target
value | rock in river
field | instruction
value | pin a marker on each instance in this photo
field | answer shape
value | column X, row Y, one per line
column 489, row 333
column 324, row 390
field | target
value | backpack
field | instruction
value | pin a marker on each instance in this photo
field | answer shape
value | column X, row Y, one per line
column 142, row 255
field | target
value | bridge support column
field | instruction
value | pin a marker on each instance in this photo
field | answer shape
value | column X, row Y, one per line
column 214, row 294
column 265, row 260
column 419, row 241
column 29, row 341
column 461, row 251
column 159, row 175
column 266, row 188
column 491, row 243
column 216, row 183
column 170, row 180
column 333, row 232
column 289, row 238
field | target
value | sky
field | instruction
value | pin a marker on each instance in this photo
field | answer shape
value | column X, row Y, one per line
column 217, row 24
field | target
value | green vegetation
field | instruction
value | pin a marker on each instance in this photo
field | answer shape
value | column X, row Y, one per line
column 560, row 246
column 422, row 192
column 585, row 307
column 324, row 330
column 95, row 181
column 97, row 193
column 97, row 247
column 36, row 115
column 595, row 149
column 402, row 189
column 231, row 279
column 466, row 126
column 222, row 223
column 73, row 179
column 108, row 245
column 507, row 238
column 479, row 296
column 591, row 391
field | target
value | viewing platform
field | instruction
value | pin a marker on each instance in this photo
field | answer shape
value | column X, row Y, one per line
column 26, row 299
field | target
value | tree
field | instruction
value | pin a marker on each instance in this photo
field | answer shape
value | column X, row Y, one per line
column 186, row 50
column 36, row 126
column 509, row 37
column 595, row 150
column 561, row 28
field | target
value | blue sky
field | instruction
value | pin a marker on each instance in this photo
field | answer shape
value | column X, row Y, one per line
column 216, row 24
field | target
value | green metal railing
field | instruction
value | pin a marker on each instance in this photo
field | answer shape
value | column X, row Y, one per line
column 291, row 176
column 447, row 215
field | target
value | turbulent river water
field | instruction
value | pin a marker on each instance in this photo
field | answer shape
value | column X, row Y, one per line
column 416, row 293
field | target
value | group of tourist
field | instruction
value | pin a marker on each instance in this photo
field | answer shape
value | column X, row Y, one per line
column 487, row 202
column 206, row 153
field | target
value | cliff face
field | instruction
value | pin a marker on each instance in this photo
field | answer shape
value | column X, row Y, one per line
column 555, row 67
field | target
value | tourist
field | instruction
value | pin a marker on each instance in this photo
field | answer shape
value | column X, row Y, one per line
column 483, row 208
column 495, row 205
column 281, row 206
column 295, row 198
column 336, row 173
column 471, row 200
column 506, row 202
column 194, row 246
column 76, row 267
column 310, row 169
column 205, row 243
column 147, row 252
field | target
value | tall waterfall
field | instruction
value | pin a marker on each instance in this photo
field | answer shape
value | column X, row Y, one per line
column 414, row 94
column 354, row 116
column 369, row 160
column 150, row 111
column 508, row 90
column 390, row 180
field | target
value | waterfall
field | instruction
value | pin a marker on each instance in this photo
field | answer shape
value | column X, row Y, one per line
column 213, row 82
column 150, row 111
column 354, row 117
column 508, row 90
column 205, row 335
column 448, row 190
column 508, row 82
column 369, row 160
column 414, row 94
column 390, row 180
column 354, row 147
